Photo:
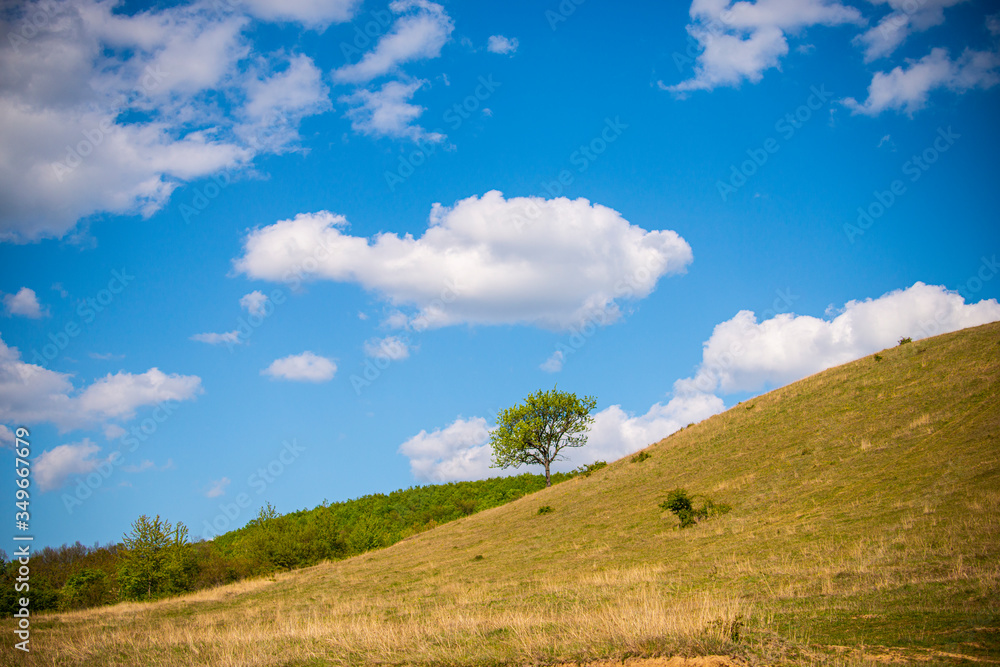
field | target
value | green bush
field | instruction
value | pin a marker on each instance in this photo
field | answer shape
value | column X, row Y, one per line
column 87, row 588
column 545, row 509
column 586, row 470
column 641, row 456
column 904, row 341
column 682, row 505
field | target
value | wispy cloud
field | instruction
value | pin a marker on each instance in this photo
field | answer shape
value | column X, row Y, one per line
column 217, row 488
column 554, row 363
column 907, row 89
column 419, row 32
column 502, row 45
column 392, row 348
column 228, row 338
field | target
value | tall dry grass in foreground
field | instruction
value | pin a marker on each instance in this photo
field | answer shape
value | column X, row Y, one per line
column 610, row 614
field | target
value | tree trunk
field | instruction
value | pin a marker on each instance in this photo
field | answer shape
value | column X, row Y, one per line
column 548, row 478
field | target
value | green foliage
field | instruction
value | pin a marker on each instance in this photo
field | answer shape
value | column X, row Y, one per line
column 641, row 456
column 158, row 560
column 682, row 505
column 590, row 468
column 87, row 588
column 545, row 509
column 904, row 341
column 878, row 357
column 534, row 432
column 339, row 530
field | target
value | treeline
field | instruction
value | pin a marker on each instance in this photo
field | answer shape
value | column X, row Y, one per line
column 157, row 559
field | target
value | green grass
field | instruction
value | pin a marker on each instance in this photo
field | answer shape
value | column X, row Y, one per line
column 864, row 525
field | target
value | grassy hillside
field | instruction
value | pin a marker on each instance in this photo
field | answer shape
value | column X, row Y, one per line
column 865, row 525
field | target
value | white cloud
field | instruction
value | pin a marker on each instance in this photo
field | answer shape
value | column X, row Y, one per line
column 741, row 40
column 311, row 13
column 391, row 348
column 396, row 320
column 501, row 44
column 217, row 488
column 460, row 451
column 418, row 33
column 907, row 89
column 745, row 355
column 54, row 466
column 254, row 302
column 24, row 303
column 906, row 17
column 387, row 112
column 993, row 24
column 114, row 431
column 228, row 338
column 89, row 66
column 305, row 367
column 616, row 433
column 118, row 396
column 31, row 394
column 276, row 104
column 486, row 260
column 7, row 438
column 554, row 363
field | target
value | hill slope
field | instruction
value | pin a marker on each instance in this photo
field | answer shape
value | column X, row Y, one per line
column 865, row 524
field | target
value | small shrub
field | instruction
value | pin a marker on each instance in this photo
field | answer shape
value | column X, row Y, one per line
column 585, row 470
column 751, row 406
column 682, row 505
column 712, row 508
column 478, row 557
column 878, row 357
column 545, row 509
column 904, row 341
column 641, row 456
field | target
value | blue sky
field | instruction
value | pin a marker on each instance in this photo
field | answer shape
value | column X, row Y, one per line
column 260, row 251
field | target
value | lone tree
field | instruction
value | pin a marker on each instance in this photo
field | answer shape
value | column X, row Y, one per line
column 538, row 429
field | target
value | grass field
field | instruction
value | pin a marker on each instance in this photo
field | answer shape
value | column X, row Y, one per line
column 865, row 528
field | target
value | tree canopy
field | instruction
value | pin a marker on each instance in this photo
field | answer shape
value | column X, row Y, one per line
column 534, row 432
